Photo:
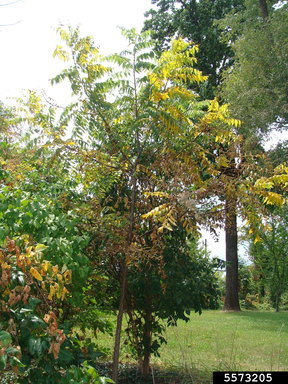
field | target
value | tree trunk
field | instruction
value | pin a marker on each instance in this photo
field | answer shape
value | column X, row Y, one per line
column 231, row 302
column 144, row 363
column 123, row 285
column 263, row 9
column 277, row 305
column 262, row 287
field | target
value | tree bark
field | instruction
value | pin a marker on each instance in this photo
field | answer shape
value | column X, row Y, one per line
column 116, row 352
column 144, row 363
column 123, row 283
column 264, row 9
column 277, row 305
column 231, row 302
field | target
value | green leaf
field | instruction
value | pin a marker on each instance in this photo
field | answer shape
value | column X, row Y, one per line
column 5, row 339
column 3, row 361
column 33, row 302
column 11, row 350
column 40, row 247
column 25, row 310
column 92, row 373
column 18, row 277
column 25, row 202
column 65, row 356
column 16, row 362
column 104, row 380
column 36, row 322
column 35, row 347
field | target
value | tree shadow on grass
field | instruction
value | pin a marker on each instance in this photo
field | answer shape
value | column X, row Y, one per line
column 273, row 320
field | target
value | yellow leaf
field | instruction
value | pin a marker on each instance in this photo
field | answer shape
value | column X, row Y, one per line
column 4, row 265
column 161, row 209
column 222, row 161
column 55, row 270
column 59, row 277
column 45, row 266
column 273, row 198
column 157, row 194
column 282, row 168
column 63, row 293
column 264, row 183
column 70, row 142
column 29, row 250
column 40, row 248
column 52, row 292
column 257, row 239
column 68, row 276
column 35, row 274
column 168, row 226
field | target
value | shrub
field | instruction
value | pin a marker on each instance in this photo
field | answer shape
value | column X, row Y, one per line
column 32, row 342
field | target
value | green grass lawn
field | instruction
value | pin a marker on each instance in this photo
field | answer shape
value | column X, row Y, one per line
column 216, row 340
column 228, row 341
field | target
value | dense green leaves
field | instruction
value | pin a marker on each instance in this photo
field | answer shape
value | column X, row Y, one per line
column 32, row 343
column 255, row 87
column 164, row 295
column 195, row 21
column 84, row 375
column 42, row 216
column 270, row 255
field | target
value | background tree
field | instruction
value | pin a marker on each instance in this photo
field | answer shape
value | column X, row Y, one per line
column 170, row 18
column 261, row 48
column 195, row 21
column 270, row 256
column 260, row 100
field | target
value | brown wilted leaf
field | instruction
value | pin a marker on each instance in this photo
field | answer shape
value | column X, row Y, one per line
column 54, row 348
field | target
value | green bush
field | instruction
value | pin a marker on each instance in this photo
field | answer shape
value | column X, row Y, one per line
column 33, row 342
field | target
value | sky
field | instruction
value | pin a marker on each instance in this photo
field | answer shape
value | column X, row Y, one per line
column 27, row 45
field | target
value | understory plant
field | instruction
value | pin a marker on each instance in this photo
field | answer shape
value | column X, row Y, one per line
column 33, row 343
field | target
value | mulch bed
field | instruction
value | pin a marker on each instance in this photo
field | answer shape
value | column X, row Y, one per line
column 129, row 374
